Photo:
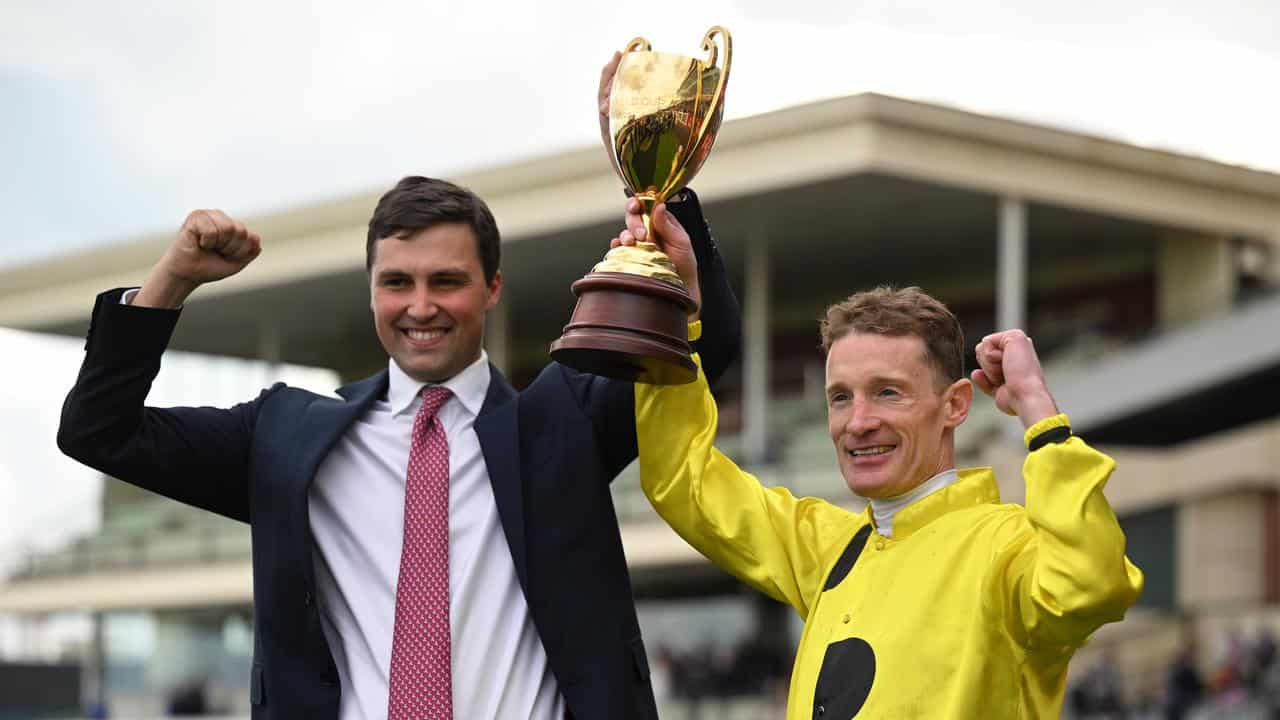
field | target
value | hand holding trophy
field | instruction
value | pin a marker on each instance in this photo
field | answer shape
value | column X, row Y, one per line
column 664, row 113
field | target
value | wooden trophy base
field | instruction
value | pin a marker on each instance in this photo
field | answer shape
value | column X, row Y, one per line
column 629, row 327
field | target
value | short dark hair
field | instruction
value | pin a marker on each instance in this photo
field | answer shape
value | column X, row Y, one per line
column 417, row 203
column 908, row 311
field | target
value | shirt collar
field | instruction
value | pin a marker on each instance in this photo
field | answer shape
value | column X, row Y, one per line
column 469, row 386
column 974, row 486
column 884, row 509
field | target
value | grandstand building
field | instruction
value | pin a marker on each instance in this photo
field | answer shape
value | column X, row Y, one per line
column 1148, row 279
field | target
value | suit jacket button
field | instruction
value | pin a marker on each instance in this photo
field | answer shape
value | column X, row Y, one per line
column 821, row 710
column 307, row 599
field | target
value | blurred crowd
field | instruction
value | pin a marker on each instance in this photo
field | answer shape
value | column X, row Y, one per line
column 1241, row 682
column 699, row 683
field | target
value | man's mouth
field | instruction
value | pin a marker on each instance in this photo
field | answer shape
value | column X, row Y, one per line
column 425, row 335
column 872, row 450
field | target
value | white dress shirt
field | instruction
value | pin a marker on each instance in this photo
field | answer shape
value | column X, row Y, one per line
column 500, row 667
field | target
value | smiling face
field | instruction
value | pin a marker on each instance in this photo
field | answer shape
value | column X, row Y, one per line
column 429, row 297
column 891, row 417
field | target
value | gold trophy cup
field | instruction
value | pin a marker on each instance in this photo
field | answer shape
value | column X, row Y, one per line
column 632, row 311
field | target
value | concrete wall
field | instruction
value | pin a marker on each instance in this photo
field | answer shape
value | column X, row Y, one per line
column 1221, row 554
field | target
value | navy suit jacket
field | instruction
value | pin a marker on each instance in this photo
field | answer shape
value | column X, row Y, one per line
column 551, row 451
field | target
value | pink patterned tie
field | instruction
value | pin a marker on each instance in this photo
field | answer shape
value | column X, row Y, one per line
column 421, row 675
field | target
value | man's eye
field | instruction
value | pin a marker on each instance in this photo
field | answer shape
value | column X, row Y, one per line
column 888, row 393
column 837, row 398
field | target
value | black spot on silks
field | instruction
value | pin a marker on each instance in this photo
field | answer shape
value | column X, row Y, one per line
column 848, row 669
column 848, row 558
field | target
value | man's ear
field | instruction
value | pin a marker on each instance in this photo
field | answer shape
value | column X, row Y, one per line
column 956, row 402
column 495, row 291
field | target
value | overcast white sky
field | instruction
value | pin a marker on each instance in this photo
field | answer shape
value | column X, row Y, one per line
column 119, row 117
column 45, row 496
column 116, row 118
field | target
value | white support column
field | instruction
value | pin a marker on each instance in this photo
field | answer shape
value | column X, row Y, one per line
column 93, row 688
column 1195, row 278
column 756, row 349
column 497, row 336
column 1011, row 264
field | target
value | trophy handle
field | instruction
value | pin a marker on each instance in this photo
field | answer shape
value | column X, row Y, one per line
column 709, row 45
column 640, row 44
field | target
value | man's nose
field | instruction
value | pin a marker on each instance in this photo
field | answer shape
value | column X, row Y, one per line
column 862, row 419
column 423, row 305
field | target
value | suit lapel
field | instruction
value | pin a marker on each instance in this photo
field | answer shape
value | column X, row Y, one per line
column 326, row 421
column 320, row 427
column 498, row 429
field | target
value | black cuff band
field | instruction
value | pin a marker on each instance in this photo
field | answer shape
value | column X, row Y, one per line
column 1052, row 435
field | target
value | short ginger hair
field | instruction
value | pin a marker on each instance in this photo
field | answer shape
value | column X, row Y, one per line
column 901, row 312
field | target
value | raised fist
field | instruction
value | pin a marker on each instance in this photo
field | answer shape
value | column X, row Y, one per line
column 1009, row 371
column 210, row 246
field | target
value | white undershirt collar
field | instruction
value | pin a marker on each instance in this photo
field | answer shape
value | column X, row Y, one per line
column 883, row 509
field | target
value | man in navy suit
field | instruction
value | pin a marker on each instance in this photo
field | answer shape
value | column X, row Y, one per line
column 540, row 620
